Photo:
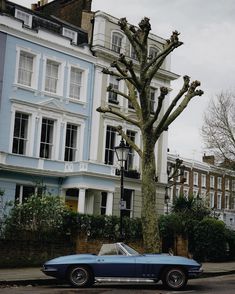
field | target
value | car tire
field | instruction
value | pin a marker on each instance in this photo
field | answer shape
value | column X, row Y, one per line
column 80, row 276
column 174, row 278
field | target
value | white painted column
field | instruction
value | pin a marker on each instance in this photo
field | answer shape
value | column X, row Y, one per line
column 89, row 205
column 81, row 200
column 109, row 204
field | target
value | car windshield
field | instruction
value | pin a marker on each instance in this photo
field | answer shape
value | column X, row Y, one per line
column 117, row 249
column 130, row 250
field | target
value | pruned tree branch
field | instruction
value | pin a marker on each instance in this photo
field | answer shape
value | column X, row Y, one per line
column 192, row 92
column 108, row 109
column 128, row 140
column 156, row 62
column 163, row 93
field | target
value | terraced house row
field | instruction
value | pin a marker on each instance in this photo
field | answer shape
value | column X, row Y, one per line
column 206, row 181
column 51, row 83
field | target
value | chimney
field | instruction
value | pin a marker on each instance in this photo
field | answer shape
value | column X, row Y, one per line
column 209, row 159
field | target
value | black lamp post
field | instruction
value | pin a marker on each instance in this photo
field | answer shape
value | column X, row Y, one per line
column 122, row 152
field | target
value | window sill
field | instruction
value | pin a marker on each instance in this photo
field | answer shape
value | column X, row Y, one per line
column 50, row 94
column 26, row 88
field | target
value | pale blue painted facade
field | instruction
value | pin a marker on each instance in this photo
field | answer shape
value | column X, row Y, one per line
column 28, row 169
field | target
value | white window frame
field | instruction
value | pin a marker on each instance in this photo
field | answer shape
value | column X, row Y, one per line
column 25, row 139
column 219, row 200
column 155, row 49
column 22, row 15
column 219, row 183
column 113, row 81
column 227, row 183
column 60, row 78
column 212, row 181
column 77, row 140
column 103, row 207
column 132, row 152
column 212, row 199
column 31, row 127
column 195, row 178
column 153, row 101
column 133, row 54
column 178, row 178
column 227, row 198
column 53, row 138
column 131, row 203
column 35, row 71
column 203, row 180
column 84, row 83
column 113, row 46
column 111, row 123
column 186, row 176
column 71, row 34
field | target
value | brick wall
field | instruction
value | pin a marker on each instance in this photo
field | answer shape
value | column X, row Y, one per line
column 85, row 245
column 70, row 10
column 14, row 253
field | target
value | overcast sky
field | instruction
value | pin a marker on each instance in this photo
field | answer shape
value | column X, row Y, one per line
column 208, row 31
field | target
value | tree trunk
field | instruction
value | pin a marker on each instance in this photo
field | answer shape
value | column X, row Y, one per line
column 149, row 213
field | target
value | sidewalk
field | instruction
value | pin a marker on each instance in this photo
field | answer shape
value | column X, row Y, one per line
column 35, row 276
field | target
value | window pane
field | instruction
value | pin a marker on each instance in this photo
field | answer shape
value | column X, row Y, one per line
column 25, row 70
column 70, row 143
column 46, row 138
column 52, row 73
column 75, row 83
column 116, row 42
column 114, row 83
column 153, row 52
column 20, row 133
column 103, row 203
column 110, row 144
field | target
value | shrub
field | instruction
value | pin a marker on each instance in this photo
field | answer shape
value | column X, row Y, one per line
column 210, row 242
column 39, row 217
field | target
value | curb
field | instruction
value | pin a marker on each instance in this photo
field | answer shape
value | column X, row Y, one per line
column 216, row 274
column 45, row 282
column 34, row 282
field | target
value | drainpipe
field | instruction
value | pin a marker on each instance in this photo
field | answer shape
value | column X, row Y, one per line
column 92, row 35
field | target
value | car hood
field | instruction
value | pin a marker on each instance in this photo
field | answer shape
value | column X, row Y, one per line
column 171, row 259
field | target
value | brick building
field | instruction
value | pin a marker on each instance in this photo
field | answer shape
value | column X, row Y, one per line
column 214, row 184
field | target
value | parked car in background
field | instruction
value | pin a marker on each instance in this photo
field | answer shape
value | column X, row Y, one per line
column 118, row 262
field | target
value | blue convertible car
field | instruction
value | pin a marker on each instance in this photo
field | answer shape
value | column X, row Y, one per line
column 119, row 262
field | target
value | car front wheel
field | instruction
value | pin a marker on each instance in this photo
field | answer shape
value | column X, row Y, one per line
column 80, row 276
column 174, row 278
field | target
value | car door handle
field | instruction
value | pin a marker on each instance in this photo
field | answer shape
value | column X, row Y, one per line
column 100, row 260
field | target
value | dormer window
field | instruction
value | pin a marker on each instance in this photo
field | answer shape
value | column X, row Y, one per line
column 70, row 34
column 116, row 42
column 25, row 17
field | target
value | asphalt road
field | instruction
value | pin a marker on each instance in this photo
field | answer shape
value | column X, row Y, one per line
column 221, row 284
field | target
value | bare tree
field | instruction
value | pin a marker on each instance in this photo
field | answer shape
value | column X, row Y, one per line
column 151, row 126
column 218, row 130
